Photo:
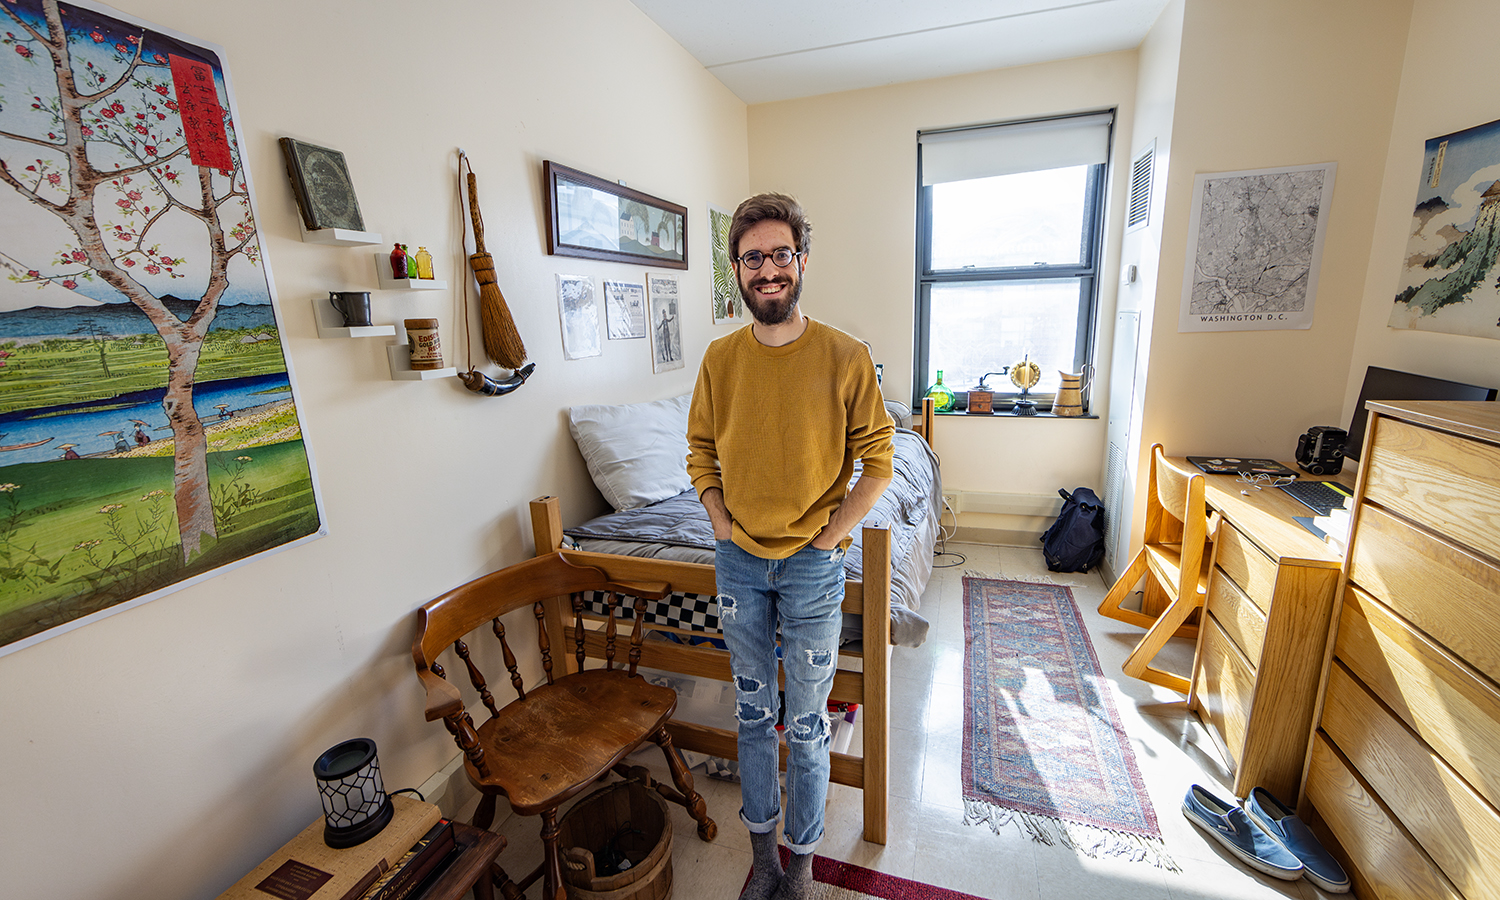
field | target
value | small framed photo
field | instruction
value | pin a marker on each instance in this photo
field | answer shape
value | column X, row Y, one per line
column 592, row 218
column 666, row 322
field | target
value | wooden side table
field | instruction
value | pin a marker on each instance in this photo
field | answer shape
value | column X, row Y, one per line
column 470, row 869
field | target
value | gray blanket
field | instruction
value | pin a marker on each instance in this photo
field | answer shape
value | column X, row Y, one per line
column 678, row 528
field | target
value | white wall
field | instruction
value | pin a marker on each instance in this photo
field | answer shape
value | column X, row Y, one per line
column 166, row 750
column 1449, row 53
column 1270, row 84
column 851, row 159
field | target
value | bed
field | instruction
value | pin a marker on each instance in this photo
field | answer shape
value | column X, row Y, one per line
column 659, row 532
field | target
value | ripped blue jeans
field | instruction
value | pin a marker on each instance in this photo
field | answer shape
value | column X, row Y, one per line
column 803, row 593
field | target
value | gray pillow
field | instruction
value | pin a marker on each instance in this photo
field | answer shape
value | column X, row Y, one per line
column 636, row 452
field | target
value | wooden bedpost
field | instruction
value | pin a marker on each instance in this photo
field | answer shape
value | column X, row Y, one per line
column 876, row 580
column 546, row 525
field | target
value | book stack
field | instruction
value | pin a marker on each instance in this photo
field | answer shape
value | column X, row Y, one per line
column 425, row 859
column 306, row 868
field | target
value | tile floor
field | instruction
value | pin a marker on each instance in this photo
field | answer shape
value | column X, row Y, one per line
column 927, row 840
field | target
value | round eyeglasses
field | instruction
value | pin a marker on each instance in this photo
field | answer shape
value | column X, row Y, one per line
column 781, row 256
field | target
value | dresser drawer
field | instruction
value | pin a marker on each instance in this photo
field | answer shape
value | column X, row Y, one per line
column 1226, row 685
column 1251, row 569
column 1447, row 483
column 1441, row 588
column 1450, row 707
column 1456, row 827
column 1386, row 863
column 1237, row 615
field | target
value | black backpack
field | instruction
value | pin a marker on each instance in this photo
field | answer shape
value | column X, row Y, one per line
column 1075, row 542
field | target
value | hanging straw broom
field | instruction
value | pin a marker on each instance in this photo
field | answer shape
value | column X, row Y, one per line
column 502, row 343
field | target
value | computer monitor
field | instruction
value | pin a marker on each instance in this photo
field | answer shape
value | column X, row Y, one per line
column 1388, row 384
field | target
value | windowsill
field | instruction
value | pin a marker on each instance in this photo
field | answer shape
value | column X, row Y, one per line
column 1007, row 414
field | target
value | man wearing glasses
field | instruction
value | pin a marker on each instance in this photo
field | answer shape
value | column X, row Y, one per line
column 781, row 412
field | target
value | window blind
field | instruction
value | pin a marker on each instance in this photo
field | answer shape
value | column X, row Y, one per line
column 984, row 151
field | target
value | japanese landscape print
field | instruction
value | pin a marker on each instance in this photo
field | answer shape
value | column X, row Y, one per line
column 149, row 434
column 1450, row 281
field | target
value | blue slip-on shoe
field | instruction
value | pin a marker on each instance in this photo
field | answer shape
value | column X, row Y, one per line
column 1231, row 827
column 1318, row 866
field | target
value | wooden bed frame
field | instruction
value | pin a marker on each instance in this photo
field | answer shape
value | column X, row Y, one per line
column 869, row 685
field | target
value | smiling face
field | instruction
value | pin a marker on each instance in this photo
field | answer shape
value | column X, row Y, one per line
column 771, row 292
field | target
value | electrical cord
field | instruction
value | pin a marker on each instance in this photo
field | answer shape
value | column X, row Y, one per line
column 943, row 536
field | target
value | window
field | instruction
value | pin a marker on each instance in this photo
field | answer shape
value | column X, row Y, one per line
column 1009, row 230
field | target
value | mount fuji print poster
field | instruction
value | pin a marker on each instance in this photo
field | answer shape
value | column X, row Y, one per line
column 149, row 434
column 1449, row 280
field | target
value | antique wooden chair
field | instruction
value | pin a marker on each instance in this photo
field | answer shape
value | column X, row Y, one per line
column 1175, row 558
column 557, row 738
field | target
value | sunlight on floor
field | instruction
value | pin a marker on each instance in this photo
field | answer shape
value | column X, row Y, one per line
column 928, row 841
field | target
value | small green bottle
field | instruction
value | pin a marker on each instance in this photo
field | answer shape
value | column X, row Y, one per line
column 942, row 398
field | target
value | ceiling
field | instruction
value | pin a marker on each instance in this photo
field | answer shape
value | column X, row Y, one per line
column 780, row 49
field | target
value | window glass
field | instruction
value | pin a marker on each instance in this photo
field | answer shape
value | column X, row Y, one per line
column 980, row 327
column 1010, row 220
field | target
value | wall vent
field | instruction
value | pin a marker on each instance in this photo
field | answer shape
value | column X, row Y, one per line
column 1114, row 492
column 1139, row 213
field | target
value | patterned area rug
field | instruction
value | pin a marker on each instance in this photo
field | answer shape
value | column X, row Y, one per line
column 846, row 881
column 1043, row 745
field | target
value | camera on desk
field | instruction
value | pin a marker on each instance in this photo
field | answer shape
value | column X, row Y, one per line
column 1321, row 450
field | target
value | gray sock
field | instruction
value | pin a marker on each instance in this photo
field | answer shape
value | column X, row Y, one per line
column 766, row 874
column 797, row 883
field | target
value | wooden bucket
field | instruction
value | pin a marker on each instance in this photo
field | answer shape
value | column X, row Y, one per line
column 614, row 815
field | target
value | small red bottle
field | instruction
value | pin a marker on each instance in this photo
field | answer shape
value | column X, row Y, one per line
column 398, row 262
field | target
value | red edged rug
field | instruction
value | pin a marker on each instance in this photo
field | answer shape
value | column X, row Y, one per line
column 846, row 881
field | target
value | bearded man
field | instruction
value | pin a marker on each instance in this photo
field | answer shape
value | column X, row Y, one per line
column 781, row 411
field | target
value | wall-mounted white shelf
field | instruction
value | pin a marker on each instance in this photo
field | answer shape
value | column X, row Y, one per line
column 387, row 283
column 401, row 370
column 338, row 237
column 331, row 324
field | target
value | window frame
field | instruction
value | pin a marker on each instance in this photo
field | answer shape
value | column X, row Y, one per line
column 1087, row 270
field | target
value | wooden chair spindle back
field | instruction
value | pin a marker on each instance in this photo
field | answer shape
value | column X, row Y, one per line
column 637, row 634
column 510, row 660
column 539, row 610
column 476, row 677
column 611, row 599
column 578, row 630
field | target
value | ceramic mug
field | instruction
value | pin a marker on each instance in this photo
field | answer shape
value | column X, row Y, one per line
column 354, row 306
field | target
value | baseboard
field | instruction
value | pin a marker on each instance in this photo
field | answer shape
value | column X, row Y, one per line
column 1001, row 530
column 451, row 791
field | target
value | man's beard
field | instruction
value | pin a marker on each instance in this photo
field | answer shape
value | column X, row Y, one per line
column 771, row 312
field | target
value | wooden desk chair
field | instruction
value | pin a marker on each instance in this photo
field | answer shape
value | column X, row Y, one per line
column 557, row 738
column 1175, row 559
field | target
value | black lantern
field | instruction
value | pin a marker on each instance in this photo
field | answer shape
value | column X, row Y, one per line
column 355, row 805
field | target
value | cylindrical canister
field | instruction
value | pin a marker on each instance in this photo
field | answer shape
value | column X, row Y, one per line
column 426, row 351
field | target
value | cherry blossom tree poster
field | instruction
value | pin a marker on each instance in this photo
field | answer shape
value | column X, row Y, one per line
column 149, row 434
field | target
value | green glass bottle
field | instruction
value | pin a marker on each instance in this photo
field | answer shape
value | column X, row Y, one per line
column 942, row 398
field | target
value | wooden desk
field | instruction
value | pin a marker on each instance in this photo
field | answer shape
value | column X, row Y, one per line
column 1261, row 641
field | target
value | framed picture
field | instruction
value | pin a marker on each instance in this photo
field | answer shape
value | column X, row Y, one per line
column 597, row 219
column 728, row 306
column 666, row 322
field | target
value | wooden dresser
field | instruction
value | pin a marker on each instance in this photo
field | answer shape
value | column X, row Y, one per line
column 1261, row 640
column 1403, row 773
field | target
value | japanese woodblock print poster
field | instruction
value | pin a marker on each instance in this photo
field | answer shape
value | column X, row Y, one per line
column 149, row 434
column 1449, row 280
column 1255, row 245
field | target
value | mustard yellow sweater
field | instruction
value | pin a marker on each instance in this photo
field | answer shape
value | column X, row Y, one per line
column 778, row 430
